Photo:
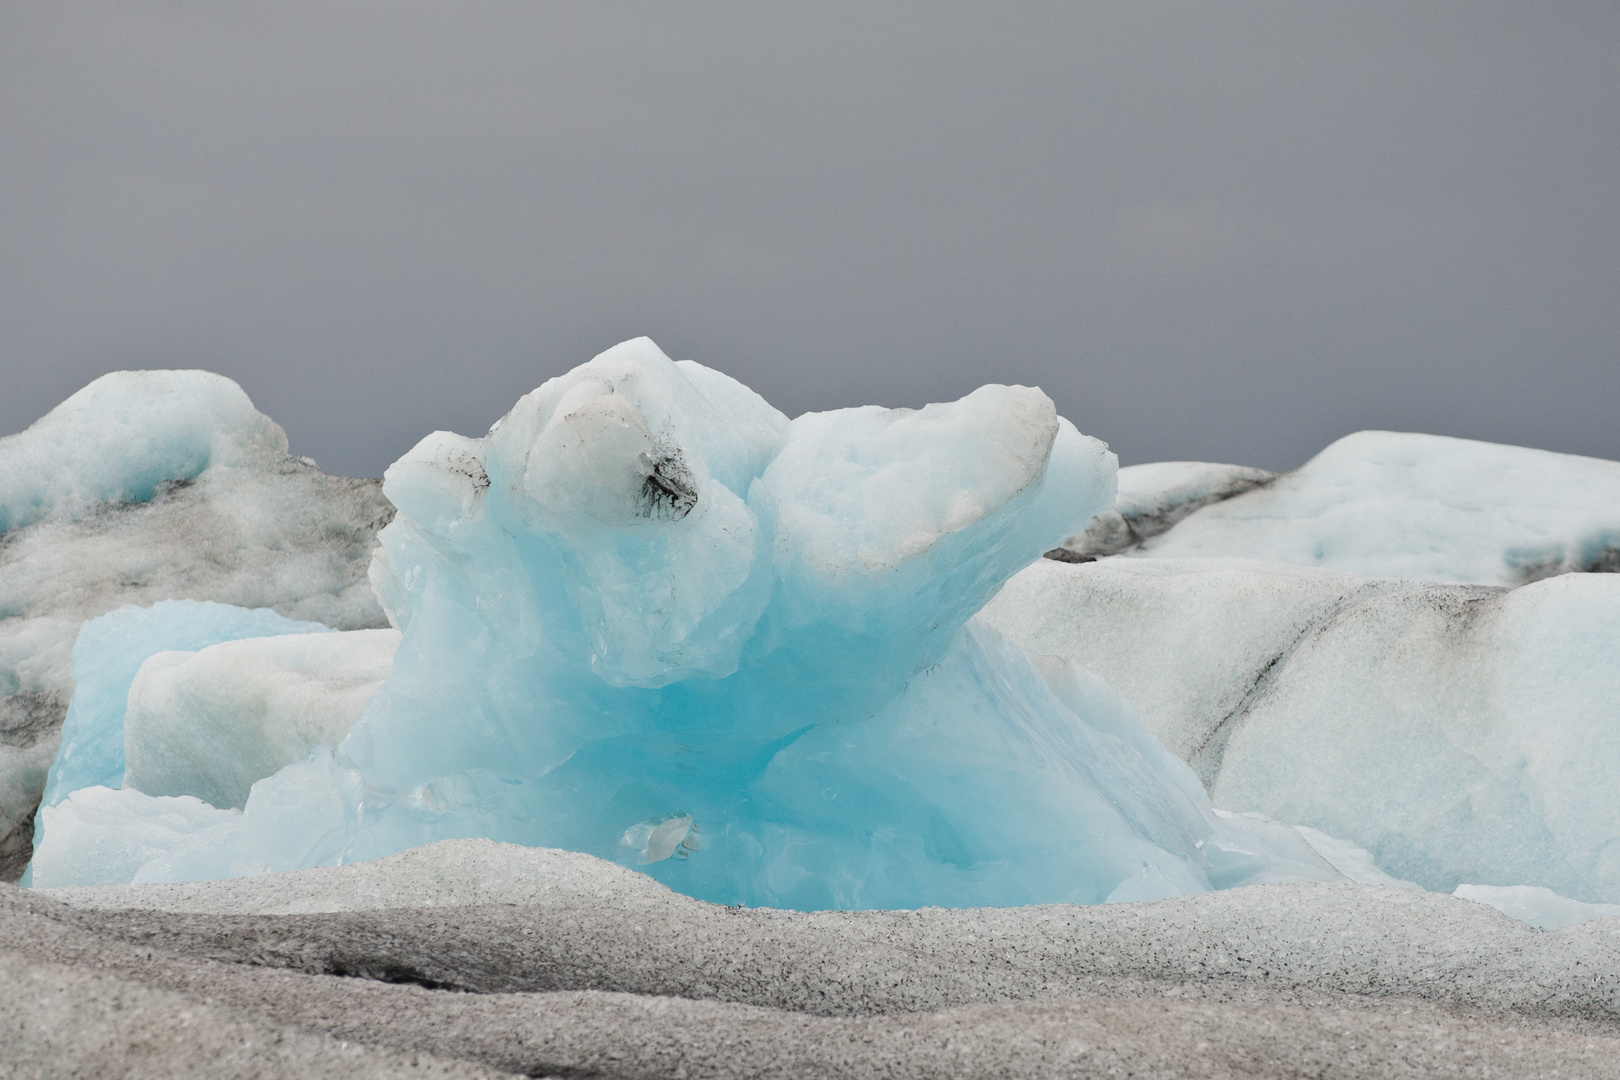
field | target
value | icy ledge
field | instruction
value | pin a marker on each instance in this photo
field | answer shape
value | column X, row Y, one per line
column 648, row 618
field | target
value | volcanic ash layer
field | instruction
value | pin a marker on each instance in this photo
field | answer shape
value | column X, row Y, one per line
column 469, row 955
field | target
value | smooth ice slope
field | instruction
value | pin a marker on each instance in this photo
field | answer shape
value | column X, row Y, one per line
column 648, row 618
column 228, row 517
column 1541, row 908
column 1459, row 733
column 108, row 654
column 1387, row 504
column 212, row 723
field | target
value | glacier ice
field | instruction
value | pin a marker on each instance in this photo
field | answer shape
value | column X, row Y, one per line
column 1459, row 733
column 1152, row 499
column 123, row 435
column 1541, row 908
column 649, row 618
column 1391, row 504
column 108, row 655
column 212, row 722
column 149, row 486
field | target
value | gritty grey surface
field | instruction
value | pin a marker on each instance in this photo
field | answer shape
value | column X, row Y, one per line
column 450, row 873
column 600, row 971
column 487, row 917
column 58, row 1021
column 1126, row 1029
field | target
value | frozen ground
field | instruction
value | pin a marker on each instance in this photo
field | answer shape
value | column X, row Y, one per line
column 567, row 964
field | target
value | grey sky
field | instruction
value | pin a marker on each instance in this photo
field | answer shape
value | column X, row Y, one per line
column 1228, row 231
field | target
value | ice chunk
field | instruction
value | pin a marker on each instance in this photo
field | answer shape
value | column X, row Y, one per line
column 105, row 834
column 299, row 815
column 647, row 618
column 1388, row 504
column 1458, row 733
column 211, row 723
column 109, row 652
column 1188, row 641
column 123, row 435
column 254, row 528
column 1541, row 908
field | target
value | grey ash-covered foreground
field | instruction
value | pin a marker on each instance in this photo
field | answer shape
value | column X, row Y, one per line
column 470, row 958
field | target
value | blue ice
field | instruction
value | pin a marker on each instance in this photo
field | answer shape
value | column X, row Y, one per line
column 650, row 618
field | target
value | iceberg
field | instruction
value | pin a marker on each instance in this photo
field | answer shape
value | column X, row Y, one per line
column 1430, row 507
column 1459, row 733
column 649, row 618
column 149, row 486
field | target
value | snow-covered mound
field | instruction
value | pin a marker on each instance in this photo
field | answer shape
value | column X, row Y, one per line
column 120, row 437
column 148, row 486
column 1151, row 499
column 1459, row 733
column 648, row 618
column 1387, row 504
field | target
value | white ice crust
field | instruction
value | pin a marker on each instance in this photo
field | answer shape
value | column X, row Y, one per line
column 1459, row 733
column 213, row 722
column 123, row 435
column 1389, row 504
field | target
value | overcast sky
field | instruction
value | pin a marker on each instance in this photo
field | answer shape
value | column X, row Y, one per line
column 1215, row 230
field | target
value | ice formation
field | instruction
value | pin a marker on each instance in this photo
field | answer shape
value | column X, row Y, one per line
column 1459, row 733
column 1153, row 498
column 1541, row 908
column 108, row 655
column 210, row 723
column 648, row 618
column 149, row 486
column 1388, row 504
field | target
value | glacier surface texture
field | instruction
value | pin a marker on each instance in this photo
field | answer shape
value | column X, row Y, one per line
column 148, row 486
column 649, row 618
column 1387, row 504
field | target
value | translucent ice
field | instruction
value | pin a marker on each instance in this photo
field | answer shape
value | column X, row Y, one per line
column 1541, row 908
column 106, row 657
column 212, row 723
column 648, row 618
